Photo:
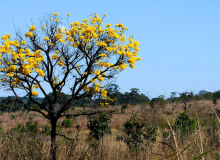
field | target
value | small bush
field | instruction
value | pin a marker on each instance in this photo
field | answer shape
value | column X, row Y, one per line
column 1, row 128
column 30, row 118
column 214, row 101
column 99, row 125
column 46, row 130
column 35, row 106
column 12, row 116
column 116, row 110
column 123, row 107
column 184, row 126
column 18, row 128
column 138, row 131
column 67, row 123
column 32, row 126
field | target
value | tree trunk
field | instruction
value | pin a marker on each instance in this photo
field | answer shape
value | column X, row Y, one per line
column 184, row 106
column 53, row 138
column 136, row 154
column 101, row 156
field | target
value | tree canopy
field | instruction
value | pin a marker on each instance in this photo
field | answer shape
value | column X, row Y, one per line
column 80, row 57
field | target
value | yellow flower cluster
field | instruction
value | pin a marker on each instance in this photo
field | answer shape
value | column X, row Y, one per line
column 96, row 89
column 60, row 62
column 34, row 93
column 104, row 93
column 103, row 55
column 32, row 28
column 97, row 72
column 56, row 14
column 7, row 36
column 58, row 36
column 46, row 38
column 23, row 62
column 23, row 43
column 115, row 54
column 86, row 88
column 100, row 78
column 40, row 72
column 36, row 86
column 29, row 34
column 54, row 56
column 62, row 41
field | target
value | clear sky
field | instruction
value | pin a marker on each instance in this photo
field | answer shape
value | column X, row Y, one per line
column 179, row 40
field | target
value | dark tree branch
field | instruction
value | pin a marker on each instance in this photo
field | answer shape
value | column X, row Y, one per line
column 64, row 137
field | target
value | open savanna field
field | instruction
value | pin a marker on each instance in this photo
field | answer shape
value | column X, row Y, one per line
column 32, row 141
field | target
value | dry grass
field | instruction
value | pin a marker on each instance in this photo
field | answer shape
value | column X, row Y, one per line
column 204, row 141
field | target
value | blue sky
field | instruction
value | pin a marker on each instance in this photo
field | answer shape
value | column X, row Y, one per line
column 179, row 40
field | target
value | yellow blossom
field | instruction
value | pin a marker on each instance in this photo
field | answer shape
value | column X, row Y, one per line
column 56, row 14
column 54, row 83
column 23, row 43
column 97, row 72
column 104, row 93
column 32, row 28
column 86, row 88
column 29, row 34
column 96, row 89
column 100, row 78
column 34, row 93
column 108, row 25
column 92, row 80
column 54, row 56
column 40, row 72
column 36, row 86
column 61, row 40
column 46, row 38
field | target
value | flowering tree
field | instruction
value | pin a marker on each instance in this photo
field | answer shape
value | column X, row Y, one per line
column 80, row 58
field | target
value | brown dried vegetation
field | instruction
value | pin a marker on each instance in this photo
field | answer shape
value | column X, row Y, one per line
column 203, row 143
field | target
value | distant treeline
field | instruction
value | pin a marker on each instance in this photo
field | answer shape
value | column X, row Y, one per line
column 9, row 104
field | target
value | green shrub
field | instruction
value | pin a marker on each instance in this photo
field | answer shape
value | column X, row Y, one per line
column 35, row 106
column 67, row 123
column 165, row 134
column 184, row 125
column 214, row 101
column 21, row 114
column 138, row 131
column 99, row 125
column 30, row 118
column 32, row 126
column 46, row 130
column 12, row 116
column 123, row 107
column 18, row 128
column 1, row 128
column 116, row 110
